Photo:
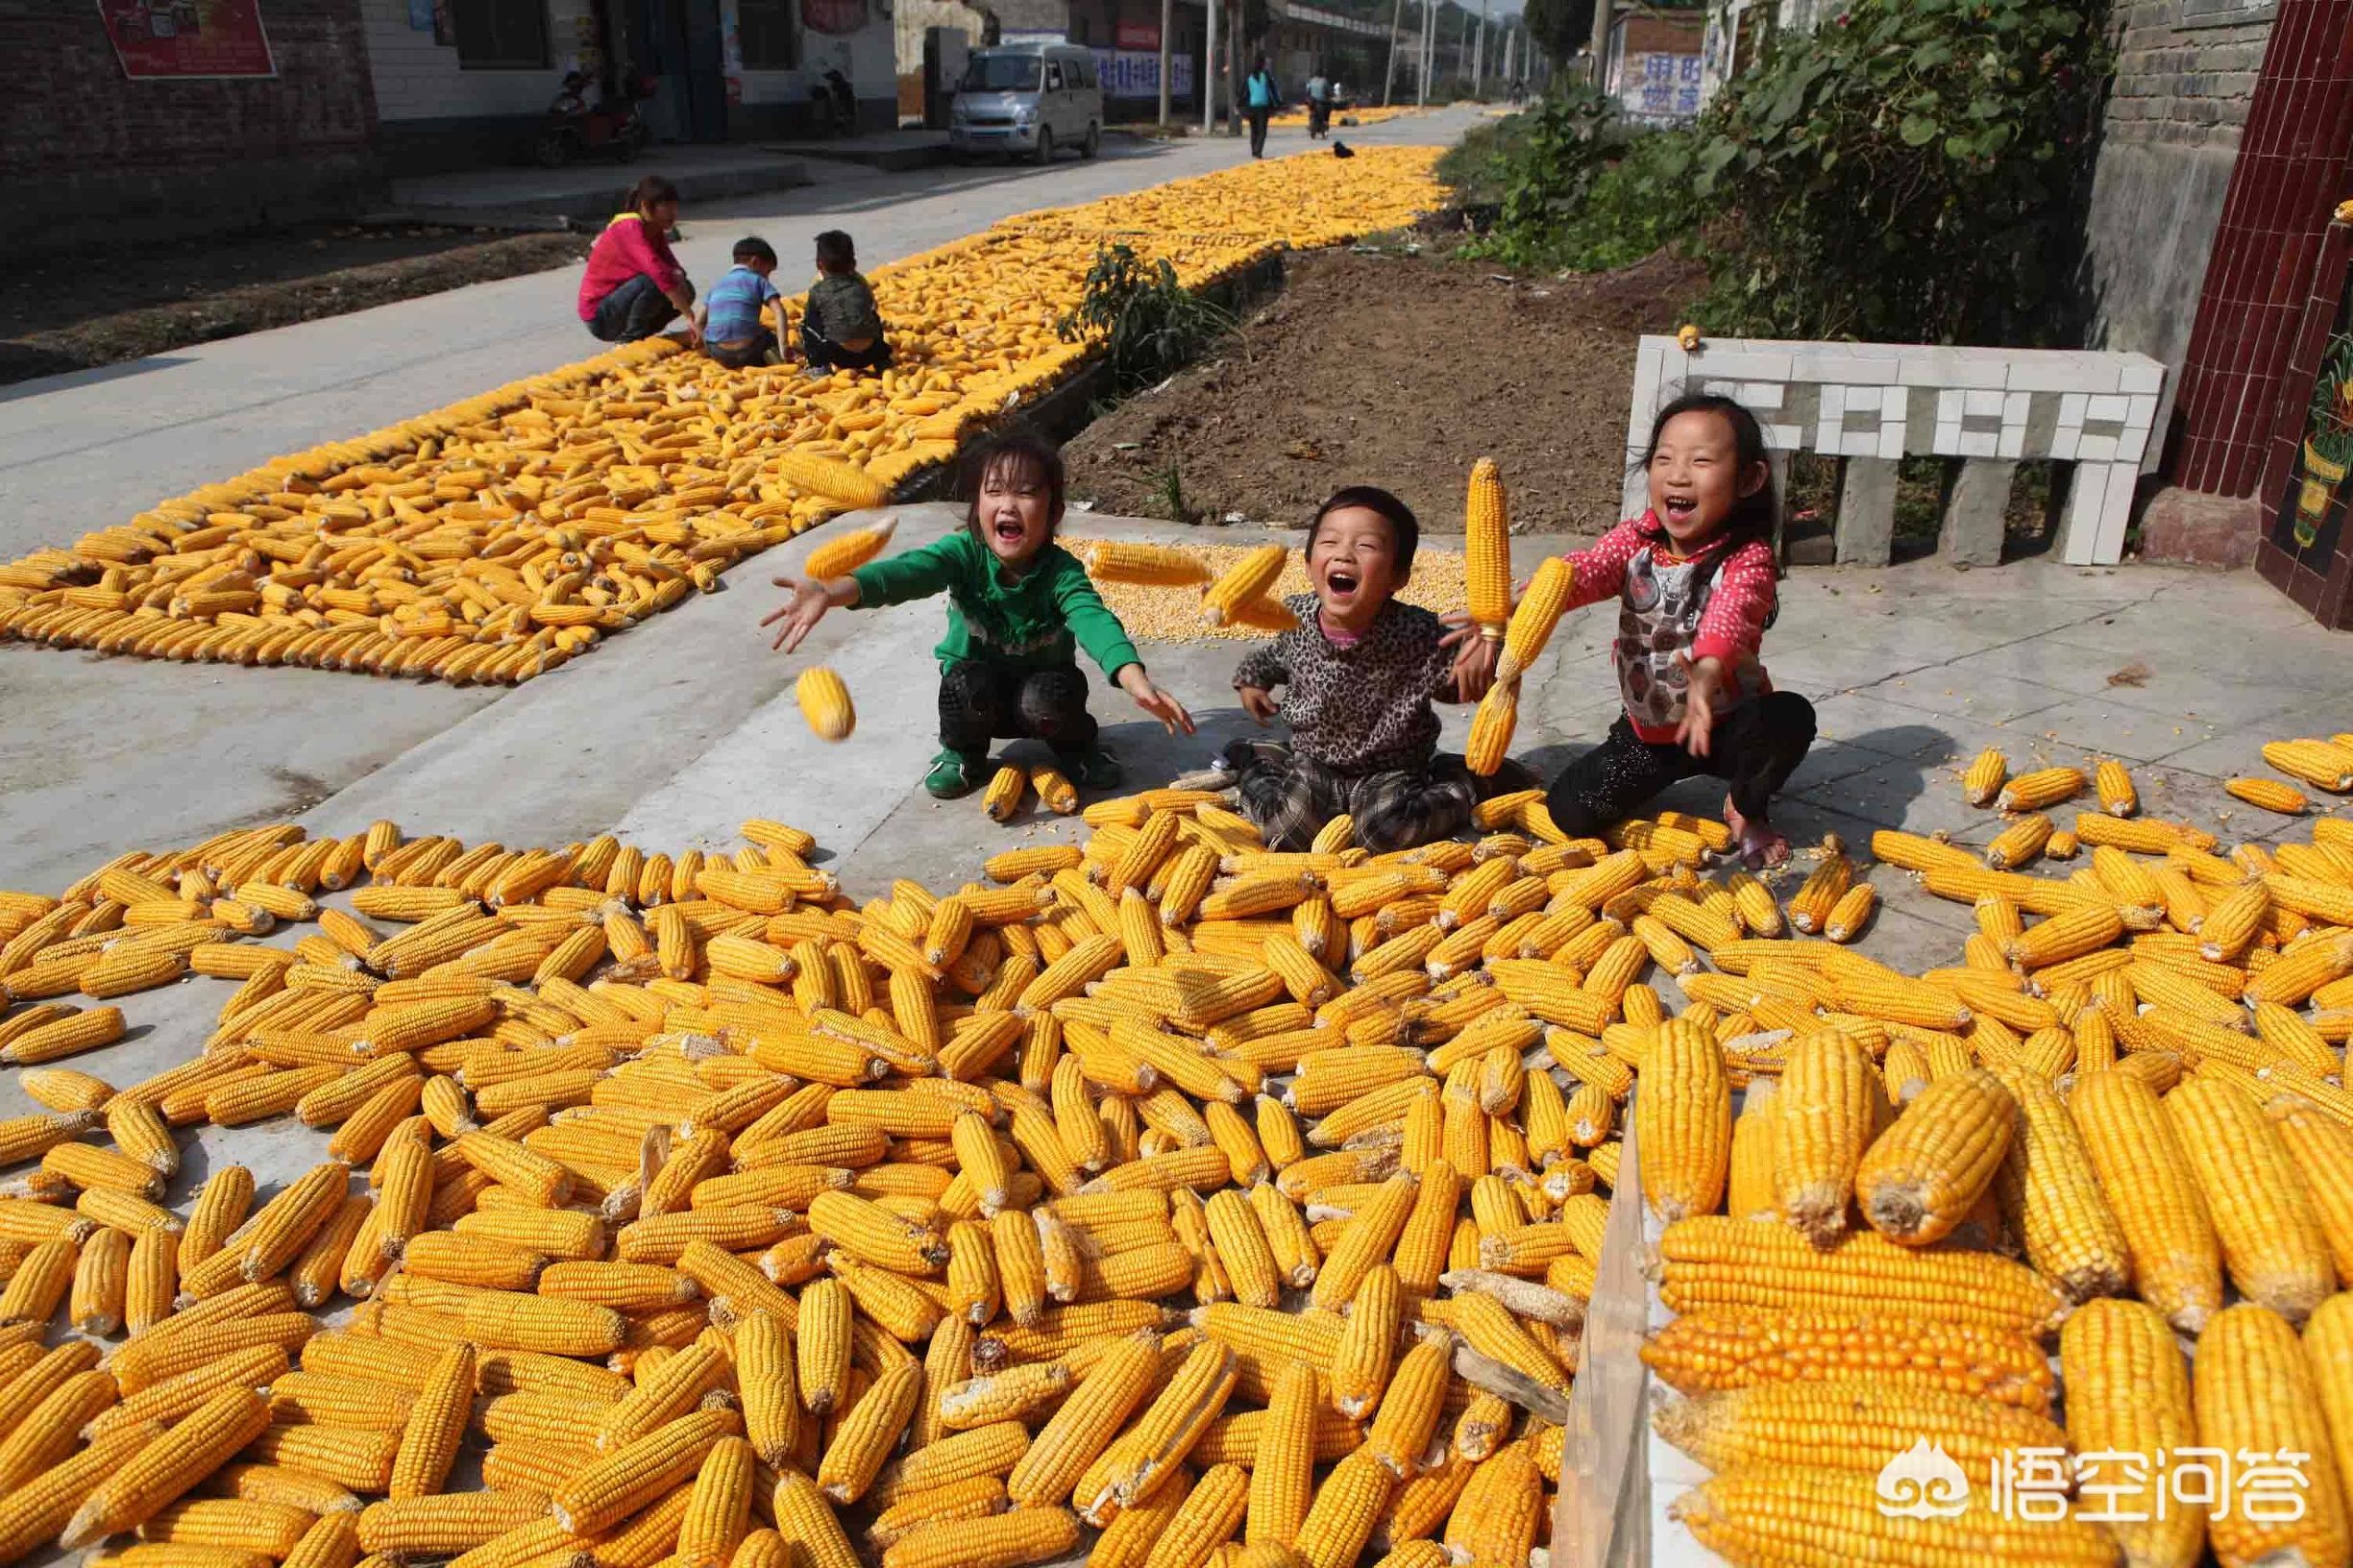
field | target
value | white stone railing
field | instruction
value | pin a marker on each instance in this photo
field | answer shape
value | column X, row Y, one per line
column 1874, row 404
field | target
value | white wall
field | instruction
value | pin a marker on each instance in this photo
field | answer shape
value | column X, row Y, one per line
column 868, row 58
column 417, row 79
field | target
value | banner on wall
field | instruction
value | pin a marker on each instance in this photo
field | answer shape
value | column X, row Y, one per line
column 1137, row 35
column 1134, row 73
column 159, row 38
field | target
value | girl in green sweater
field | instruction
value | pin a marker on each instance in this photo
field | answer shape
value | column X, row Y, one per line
column 1019, row 608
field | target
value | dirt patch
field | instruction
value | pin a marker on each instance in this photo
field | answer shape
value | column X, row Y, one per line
column 74, row 312
column 1399, row 371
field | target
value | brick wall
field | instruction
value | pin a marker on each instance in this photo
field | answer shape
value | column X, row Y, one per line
column 2167, row 145
column 93, row 156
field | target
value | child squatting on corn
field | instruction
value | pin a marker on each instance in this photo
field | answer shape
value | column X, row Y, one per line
column 1694, row 576
column 1019, row 606
column 1360, row 673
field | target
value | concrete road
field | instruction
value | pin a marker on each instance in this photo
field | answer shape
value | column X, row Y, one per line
column 97, row 753
column 86, row 450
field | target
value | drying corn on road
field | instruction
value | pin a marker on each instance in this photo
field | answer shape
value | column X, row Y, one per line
column 817, row 1299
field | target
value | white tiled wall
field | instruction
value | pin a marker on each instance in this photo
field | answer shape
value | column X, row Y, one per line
column 2098, row 408
column 417, row 79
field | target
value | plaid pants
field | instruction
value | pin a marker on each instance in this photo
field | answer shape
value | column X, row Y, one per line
column 1291, row 797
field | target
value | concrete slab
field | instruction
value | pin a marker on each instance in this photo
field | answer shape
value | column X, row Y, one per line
column 883, row 150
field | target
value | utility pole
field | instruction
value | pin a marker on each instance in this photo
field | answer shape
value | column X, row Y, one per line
column 1511, row 49
column 1421, row 74
column 1168, row 25
column 1602, row 23
column 1209, row 69
column 1234, row 69
column 1479, row 53
column 1388, row 82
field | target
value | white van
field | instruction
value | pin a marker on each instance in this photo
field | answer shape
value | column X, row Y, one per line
column 1031, row 99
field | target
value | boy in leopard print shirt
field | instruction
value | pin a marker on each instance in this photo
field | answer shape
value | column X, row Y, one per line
column 1360, row 673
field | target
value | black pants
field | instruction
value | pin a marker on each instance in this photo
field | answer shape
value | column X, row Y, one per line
column 980, row 702
column 1755, row 747
column 741, row 356
column 1319, row 118
column 1258, row 131
column 636, row 309
column 825, row 353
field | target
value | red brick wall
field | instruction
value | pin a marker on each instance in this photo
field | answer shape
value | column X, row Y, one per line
column 90, row 154
column 1662, row 35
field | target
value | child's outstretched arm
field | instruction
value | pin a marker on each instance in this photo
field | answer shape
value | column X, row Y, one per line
column 811, row 599
column 1097, row 629
column 915, row 574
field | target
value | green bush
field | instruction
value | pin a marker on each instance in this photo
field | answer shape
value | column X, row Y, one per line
column 1909, row 171
column 1151, row 326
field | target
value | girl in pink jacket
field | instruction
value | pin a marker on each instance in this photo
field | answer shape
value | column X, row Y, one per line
column 1694, row 576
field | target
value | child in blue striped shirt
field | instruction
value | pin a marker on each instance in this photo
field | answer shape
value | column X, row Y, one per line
column 730, row 315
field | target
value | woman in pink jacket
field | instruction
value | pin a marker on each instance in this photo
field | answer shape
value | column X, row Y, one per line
column 635, row 286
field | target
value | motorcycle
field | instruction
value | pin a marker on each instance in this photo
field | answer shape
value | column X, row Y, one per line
column 576, row 127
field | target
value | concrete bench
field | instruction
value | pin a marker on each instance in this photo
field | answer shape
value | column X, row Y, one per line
column 1875, row 404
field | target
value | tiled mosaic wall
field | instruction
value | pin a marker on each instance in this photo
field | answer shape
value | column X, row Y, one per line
column 1880, row 401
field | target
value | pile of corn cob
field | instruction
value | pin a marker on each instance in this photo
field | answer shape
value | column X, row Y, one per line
column 495, row 539
column 744, row 1224
column 2122, row 1095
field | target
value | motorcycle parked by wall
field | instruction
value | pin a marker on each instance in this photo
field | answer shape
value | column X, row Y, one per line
column 579, row 126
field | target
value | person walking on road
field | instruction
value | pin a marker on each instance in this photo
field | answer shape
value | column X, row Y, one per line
column 635, row 286
column 1262, row 96
column 1319, row 104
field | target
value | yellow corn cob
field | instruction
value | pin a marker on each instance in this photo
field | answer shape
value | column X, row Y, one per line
column 1722, row 1263
column 2019, row 843
column 1532, row 621
column 1845, row 1426
column 169, row 1467
column 2253, row 1389
column 2115, row 787
column 2128, row 1394
column 1003, row 795
column 2042, row 787
column 1821, row 1117
column 1684, row 1118
column 824, row 702
column 1983, row 781
column 1707, row 1352
column 1487, row 547
column 1346, row 1506
column 850, row 485
column 1248, row 578
column 1158, row 566
column 2325, row 764
column 2137, row 1153
column 845, row 553
column 1798, row 1516
column 2268, row 795
column 1920, row 1177
column 1810, row 908
column 1492, row 727
column 2271, row 1236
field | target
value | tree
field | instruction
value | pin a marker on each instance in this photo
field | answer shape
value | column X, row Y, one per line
column 1560, row 27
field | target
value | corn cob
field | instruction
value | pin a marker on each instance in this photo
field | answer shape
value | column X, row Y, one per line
column 2253, row 1389
column 1158, row 566
column 2271, row 1236
column 2039, row 789
column 1920, row 1177
column 1532, row 623
column 824, row 702
column 1486, row 550
column 845, row 553
column 1983, row 780
column 2138, row 1156
column 1800, row 1517
column 1247, row 579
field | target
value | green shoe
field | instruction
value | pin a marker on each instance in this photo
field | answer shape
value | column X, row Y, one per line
column 1093, row 769
column 954, row 774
